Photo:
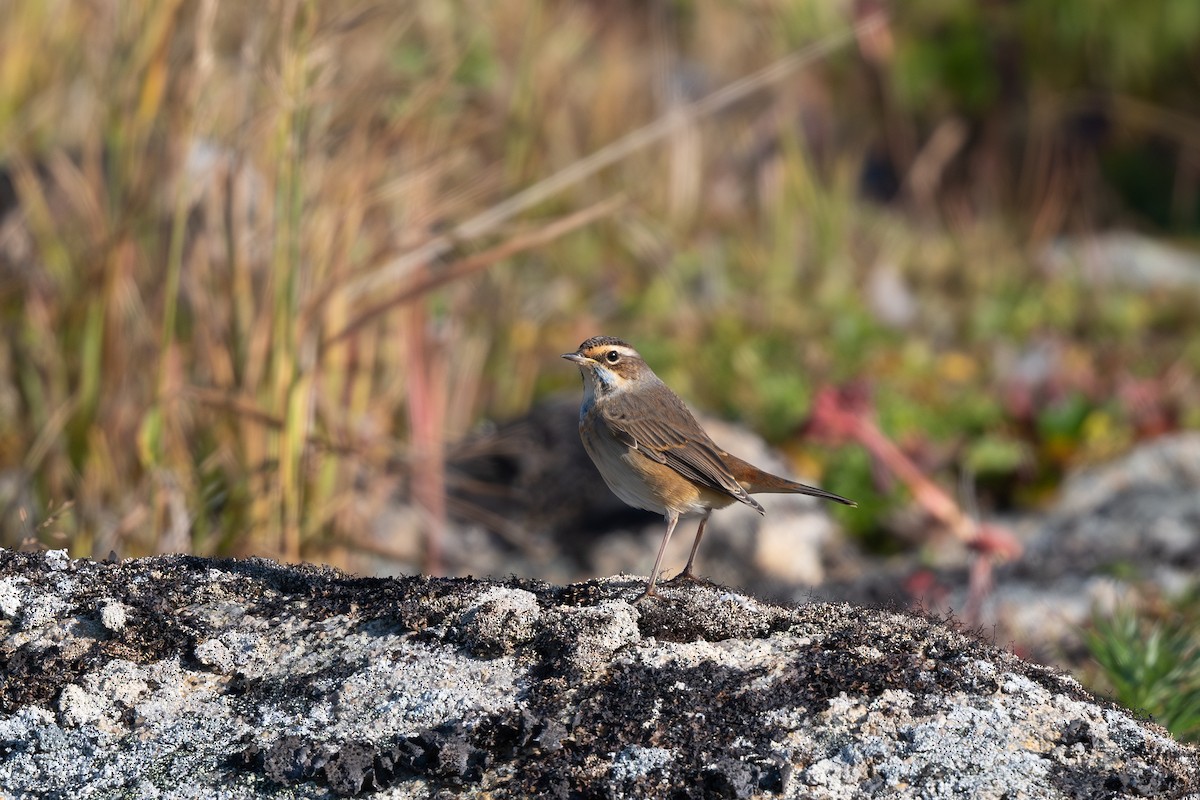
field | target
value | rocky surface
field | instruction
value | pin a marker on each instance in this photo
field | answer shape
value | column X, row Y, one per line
column 185, row 677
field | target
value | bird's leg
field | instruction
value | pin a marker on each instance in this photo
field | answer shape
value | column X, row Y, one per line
column 687, row 574
column 672, row 520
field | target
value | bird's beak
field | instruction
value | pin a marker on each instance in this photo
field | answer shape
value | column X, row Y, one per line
column 577, row 358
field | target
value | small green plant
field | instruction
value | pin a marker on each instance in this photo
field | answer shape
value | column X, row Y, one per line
column 1152, row 666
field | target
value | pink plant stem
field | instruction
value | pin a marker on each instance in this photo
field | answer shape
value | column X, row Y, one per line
column 926, row 492
column 988, row 541
column 843, row 414
column 426, row 405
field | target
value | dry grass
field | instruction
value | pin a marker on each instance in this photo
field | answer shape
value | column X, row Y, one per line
column 209, row 197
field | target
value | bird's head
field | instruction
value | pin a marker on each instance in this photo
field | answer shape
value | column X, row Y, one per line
column 609, row 364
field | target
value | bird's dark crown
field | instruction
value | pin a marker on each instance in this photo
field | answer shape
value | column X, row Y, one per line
column 603, row 341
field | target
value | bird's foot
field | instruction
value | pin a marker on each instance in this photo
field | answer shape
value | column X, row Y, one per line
column 687, row 575
column 650, row 592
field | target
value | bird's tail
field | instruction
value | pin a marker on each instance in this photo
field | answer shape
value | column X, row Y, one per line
column 756, row 481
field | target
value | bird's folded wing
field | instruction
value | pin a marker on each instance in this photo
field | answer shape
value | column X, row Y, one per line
column 682, row 445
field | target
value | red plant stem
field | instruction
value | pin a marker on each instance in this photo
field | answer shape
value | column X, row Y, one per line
column 844, row 414
column 426, row 406
column 926, row 492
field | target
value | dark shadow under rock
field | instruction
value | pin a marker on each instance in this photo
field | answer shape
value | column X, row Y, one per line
column 185, row 675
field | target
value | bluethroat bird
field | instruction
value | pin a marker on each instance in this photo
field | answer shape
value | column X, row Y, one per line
column 653, row 453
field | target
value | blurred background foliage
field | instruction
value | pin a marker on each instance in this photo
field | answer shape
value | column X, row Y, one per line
column 215, row 339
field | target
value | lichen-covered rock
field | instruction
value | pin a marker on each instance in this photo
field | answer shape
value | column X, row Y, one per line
column 185, row 677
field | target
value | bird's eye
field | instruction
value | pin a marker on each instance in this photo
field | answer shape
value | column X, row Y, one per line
column 613, row 356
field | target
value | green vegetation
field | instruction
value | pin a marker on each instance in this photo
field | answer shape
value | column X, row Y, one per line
column 1152, row 666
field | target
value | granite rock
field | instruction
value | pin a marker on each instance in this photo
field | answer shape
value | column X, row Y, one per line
column 245, row 679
